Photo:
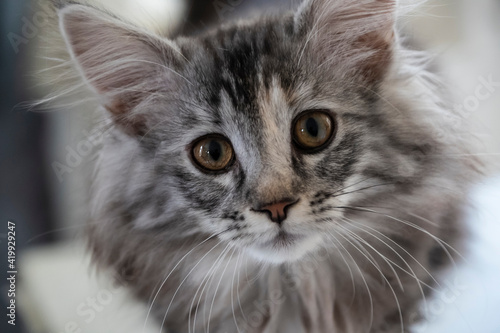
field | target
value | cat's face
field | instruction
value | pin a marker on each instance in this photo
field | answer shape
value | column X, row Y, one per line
column 263, row 150
column 259, row 133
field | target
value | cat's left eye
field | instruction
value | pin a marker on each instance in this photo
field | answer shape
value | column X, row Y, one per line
column 212, row 153
column 313, row 130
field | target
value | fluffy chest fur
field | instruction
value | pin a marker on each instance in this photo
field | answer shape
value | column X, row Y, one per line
column 290, row 174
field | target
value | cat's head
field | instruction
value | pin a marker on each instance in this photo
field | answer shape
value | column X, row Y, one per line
column 260, row 132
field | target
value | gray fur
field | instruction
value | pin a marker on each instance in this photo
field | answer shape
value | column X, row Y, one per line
column 376, row 207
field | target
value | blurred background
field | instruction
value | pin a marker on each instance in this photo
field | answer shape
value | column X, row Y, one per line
column 45, row 155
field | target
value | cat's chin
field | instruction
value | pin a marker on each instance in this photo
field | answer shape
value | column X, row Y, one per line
column 284, row 248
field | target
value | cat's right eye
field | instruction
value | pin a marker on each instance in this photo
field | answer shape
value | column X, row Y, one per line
column 212, row 153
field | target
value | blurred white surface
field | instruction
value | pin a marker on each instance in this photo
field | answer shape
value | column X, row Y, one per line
column 60, row 294
column 470, row 299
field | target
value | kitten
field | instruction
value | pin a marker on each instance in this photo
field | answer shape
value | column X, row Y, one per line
column 293, row 173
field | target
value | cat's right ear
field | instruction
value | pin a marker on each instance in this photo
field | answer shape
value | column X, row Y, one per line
column 122, row 63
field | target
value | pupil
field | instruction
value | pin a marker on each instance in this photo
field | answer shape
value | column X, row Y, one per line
column 214, row 150
column 312, row 127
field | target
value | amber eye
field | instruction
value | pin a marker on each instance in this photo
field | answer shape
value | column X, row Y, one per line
column 313, row 130
column 213, row 153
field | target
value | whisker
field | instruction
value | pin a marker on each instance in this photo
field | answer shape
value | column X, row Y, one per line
column 365, row 188
column 361, row 274
column 150, row 299
column 359, row 240
column 384, row 277
column 184, row 280
column 356, row 183
column 232, row 291
column 412, row 274
column 441, row 242
column 202, row 284
column 238, row 294
column 216, row 289
column 348, row 267
column 434, row 224
column 209, row 278
column 169, row 274
column 403, row 249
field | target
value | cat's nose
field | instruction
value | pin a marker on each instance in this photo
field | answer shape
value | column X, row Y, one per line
column 277, row 211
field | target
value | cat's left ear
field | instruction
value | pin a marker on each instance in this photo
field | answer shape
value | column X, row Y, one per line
column 354, row 35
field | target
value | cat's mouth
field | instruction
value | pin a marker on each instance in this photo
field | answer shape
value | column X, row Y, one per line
column 284, row 247
column 283, row 240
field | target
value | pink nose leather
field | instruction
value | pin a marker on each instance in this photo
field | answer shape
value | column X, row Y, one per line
column 277, row 211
